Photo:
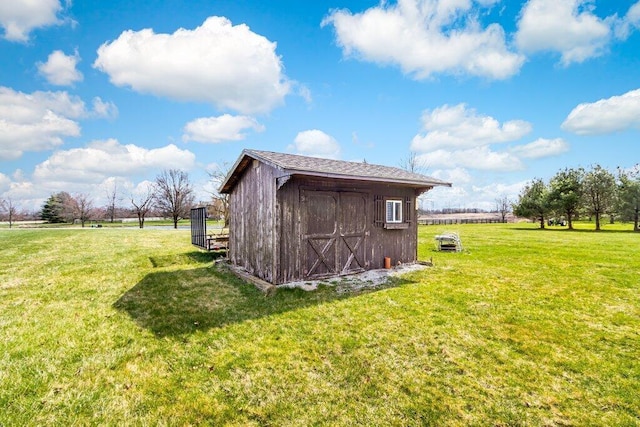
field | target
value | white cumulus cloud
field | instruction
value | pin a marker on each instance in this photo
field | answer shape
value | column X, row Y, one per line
column 20, row 17
column 478, row 196
column 457, row 176
column 19, row 106
column 226, row 65
column 461, row 127
column 569, row 27
column 60, row 69
column 479, row 158
column 315, row 143
column 541, row 148
column 106, row 109
column 102, row 159
column 92, row 169
column 497, row 189
column 426, row 37
column 36, row 122
column 220, row 129
column 485, row 196
column 4, row 182
column 606, row 115
column 629, row 22
column 41, row 120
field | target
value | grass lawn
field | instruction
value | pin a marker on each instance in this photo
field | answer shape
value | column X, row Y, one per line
column 130, row 326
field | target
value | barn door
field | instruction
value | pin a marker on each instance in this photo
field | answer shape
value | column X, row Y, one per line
column 352, row 226
column 333, row 232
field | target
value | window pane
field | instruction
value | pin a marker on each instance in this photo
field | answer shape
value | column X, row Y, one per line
column 394, row 210
column 398, row 211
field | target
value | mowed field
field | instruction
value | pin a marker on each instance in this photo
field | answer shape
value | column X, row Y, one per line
column 137, row 327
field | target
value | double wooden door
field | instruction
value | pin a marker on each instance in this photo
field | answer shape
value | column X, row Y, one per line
column 334, row 232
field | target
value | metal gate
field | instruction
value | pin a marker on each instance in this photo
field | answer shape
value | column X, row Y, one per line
column 199, row 227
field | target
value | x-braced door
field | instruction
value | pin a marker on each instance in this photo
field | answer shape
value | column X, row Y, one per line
column 334, row 232
column 353, row 231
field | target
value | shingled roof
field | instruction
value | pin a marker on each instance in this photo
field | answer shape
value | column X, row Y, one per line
column 293, row 164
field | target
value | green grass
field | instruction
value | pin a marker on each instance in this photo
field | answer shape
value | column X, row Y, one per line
column 104, row 224
column 128, row 326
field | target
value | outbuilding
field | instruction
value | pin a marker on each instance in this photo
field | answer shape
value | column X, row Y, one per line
column 297, row 218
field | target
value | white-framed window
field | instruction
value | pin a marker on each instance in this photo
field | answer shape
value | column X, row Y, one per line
column 394, row 211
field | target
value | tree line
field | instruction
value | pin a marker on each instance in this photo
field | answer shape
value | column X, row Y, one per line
column 171, row 195
column 573, row 193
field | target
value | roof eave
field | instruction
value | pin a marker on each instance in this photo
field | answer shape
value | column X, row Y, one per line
column 405, row 182
column 240, row 165
column 231, row 178
column 242, row 162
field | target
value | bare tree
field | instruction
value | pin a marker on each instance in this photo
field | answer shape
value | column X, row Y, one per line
column 220, row 200
column 142, row 203
column 413, row 163
column 3, row 207
column 503, row 206
column 9, row 210
column 112, row 201
column 82, row 207
column 174, row 194
column 67, row 206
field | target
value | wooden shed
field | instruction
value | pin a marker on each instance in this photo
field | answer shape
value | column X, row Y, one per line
column 304, row 218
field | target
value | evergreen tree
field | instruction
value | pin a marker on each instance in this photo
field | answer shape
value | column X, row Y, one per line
column 58, row 208
column 628, row 204
column 599, row 190
column 52, row 210
column 565, row 192
column 533, row 202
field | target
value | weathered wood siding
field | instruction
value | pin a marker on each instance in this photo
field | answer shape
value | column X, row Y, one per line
column 252, row 222
column 313, row 228
column 327, row 227
column 401, row 245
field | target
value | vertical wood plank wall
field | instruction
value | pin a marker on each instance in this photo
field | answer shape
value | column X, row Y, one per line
column 400, row 245
column 252, row 223
column 265, row 223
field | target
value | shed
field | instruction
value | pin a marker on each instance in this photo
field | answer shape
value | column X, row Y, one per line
column 297, row 218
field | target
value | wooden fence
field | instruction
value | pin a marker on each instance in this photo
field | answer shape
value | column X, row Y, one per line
column 451, row 221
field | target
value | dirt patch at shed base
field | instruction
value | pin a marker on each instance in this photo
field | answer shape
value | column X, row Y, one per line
column 359, row 281
column 350, row 283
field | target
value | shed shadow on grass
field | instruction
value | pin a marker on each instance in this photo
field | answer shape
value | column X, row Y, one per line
column 199, row 257
column 181, row 302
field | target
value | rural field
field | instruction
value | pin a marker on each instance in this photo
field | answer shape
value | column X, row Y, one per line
column 129, row 326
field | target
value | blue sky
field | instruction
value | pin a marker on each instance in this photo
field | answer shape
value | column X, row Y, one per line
column 489, row 94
